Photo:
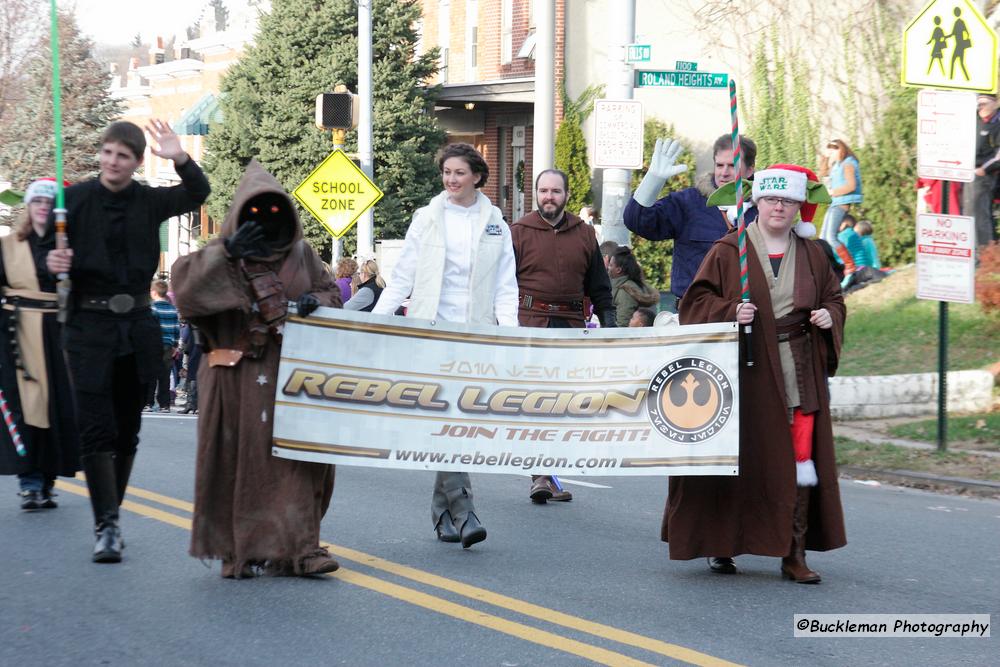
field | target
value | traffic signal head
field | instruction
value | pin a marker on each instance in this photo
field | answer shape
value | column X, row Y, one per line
column 335, row 111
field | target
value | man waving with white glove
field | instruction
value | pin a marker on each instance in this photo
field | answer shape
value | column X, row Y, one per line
column 685, row 215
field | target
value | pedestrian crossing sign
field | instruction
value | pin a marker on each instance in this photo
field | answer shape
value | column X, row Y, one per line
column 950, row 45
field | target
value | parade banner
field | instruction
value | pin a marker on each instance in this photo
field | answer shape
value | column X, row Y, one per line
column 370, row 390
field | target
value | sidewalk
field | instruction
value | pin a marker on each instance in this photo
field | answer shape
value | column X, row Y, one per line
column 874, row 431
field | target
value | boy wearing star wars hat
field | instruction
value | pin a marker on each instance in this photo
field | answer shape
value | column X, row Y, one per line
column 785, row 499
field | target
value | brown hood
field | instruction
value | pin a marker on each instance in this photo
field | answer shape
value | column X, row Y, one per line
column 536, row 221
column 256, row 181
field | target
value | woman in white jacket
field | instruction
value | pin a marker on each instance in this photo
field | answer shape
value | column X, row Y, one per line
column 457, row 265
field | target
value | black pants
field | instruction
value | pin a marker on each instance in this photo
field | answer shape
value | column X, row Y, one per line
column 982, row 195
column 109, row 421
column 160, row 390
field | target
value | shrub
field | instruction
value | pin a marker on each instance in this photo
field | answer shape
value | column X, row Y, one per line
column 988, row 278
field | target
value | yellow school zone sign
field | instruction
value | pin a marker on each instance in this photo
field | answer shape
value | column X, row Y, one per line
column 950, row 45
column 337, row 193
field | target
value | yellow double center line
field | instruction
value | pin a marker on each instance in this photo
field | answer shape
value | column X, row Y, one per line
column 446, row 607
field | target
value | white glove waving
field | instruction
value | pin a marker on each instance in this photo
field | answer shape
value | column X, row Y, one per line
column 661, row 167
column 665, row 153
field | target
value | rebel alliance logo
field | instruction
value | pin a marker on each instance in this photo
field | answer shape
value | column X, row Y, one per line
column 689, row 400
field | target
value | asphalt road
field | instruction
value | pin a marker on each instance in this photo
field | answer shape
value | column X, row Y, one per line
column 586, row 582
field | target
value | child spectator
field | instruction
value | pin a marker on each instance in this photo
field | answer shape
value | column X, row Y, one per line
column 870, row 254
column 642, row 317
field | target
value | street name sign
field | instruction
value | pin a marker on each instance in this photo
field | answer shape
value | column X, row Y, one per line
column 618, row 132
column 946, row 257
column 639, row 53
column 678, row 79
column 337, row 193
column 946, row 135
column 950, row 45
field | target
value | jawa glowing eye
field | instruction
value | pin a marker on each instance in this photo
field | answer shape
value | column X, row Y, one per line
column 254, row 210
column 274, row 208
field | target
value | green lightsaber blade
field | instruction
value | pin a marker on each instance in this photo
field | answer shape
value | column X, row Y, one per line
column 57, row 105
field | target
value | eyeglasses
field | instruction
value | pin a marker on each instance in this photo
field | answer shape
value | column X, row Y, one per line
column 774, row 201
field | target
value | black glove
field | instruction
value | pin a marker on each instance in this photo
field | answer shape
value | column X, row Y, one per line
column 307, row 304
column 608, row 318
column 247, row 241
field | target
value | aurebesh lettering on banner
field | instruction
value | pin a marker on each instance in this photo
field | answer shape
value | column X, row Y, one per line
column 361, row 389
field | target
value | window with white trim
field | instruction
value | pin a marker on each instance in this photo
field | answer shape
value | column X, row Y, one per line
column 506, row 32
column 471, row 39
column 444, row 36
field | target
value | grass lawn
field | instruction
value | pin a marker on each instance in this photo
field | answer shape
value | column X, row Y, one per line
column 889, row 331
column 891, row 457
column 979, row 431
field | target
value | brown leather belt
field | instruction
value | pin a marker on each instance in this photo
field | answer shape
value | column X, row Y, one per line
column 531, row 303
column 224, row 357
column 796, row 328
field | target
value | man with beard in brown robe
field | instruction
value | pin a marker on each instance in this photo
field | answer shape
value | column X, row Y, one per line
column 786, row 498
column 252, row 510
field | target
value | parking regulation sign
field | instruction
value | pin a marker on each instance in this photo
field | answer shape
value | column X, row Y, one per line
column 946, row 135
column 618, row 133
column 946, row 257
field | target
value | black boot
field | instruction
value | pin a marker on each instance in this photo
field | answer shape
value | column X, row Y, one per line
column 472, row 531
column 123, row 470
column 191, row 405
column 100, row 471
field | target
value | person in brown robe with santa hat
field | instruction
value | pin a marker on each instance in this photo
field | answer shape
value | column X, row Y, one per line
column 253, row 511
column 786, row 498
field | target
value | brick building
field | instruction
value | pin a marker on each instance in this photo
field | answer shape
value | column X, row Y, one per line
column 488, row 86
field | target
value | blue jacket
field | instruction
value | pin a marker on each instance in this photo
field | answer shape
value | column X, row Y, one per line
column 685, row 217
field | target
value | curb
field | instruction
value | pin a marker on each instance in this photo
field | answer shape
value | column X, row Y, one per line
column 975, row 487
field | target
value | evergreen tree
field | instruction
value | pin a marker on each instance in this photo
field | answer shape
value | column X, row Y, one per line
column 303, row 48
column 656, row 257
column 778, row 113
column 220, row 14
column 571, row 147
column 27, row 140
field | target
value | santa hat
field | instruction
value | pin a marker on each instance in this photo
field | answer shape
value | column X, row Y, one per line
column 790, row 181
column 43, row 187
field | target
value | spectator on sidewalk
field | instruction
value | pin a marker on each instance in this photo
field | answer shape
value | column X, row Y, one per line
column 191, row 348
column 346, row 270
column 370, row 286
column 987, row 168
column 642, row 317
column 166, row 315
column 629, row 289
column 840, row 164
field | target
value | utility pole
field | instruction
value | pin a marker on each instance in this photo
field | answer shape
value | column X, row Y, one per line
column 543, row 145
column 617, row 187
column 366, row 230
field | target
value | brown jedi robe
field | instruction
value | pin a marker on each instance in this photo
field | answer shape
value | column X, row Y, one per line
column 552, row 265
column 724, row 516
column 249, row 507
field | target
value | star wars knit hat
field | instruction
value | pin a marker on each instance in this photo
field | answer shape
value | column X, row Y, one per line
column 790, row 181
column 43, row 187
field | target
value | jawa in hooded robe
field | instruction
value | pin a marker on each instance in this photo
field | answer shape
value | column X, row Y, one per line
column 252, row 510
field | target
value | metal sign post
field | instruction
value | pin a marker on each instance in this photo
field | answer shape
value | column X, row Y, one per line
column 948, row 45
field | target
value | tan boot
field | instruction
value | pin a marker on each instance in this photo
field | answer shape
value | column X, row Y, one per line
column 541, row 489
column 318, row 562
column 793, row 566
